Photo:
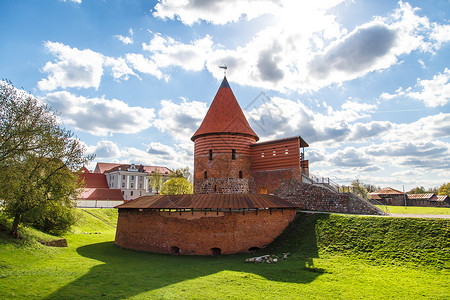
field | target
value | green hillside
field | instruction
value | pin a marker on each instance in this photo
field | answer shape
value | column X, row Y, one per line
column 332, row 257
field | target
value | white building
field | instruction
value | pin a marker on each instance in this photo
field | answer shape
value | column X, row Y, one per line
column 133, row 180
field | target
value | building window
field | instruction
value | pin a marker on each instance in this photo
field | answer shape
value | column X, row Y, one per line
column 123, row 184
column 205, row 175
column 123, row 177
column 210, row 154
column 140, row 193
column 131, row 193
column 262, row 153
column 123, row 193
column 140, row 185
column 233, row 154
column 132, row 185
column 274, row 152
column 240, row 174
column 286, row 151
column 132, row 177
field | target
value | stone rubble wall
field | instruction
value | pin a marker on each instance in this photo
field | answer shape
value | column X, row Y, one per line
column 310, row 197
column 222, row 186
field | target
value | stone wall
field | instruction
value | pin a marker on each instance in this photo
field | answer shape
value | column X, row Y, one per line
column 222, row 186
column 199, row 233
column 310, row 197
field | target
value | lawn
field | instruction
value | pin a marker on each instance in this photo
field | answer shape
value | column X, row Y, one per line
column 320, row 267
column 419, row 210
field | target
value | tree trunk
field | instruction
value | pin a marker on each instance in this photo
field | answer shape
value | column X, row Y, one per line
column 15, row 227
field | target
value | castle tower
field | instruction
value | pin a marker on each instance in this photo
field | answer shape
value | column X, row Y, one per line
column 222, row 147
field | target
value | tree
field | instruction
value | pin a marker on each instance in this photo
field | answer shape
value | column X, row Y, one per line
column 37, row 157
column 359, row 189
column 176, row 186
column 370, row 187
column 444, row 189
column 417, row 190
column 183, row 172
column 156, row 181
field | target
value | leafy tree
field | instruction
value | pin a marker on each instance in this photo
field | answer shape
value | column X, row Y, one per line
column 370, row 187
column 417, row 190
column 177, row 186
column 359, row 189
column 444, row 189
column 156, row 181
column 36, row 159
column 183, row 172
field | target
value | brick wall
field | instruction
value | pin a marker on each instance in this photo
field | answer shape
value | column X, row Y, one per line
column 270, row 179
column 310, row 197
column 198, row 233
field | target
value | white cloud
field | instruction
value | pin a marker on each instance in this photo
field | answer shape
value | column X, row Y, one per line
column 119, row 68
column 76, row 1
column 425, row 129
column 73, row 68
column 277, row 117
column 433, row 92
column 100, row 116
column 145, row 65
column 79, row 68
column 168, row 52
column 126, row 39
column 180, row 120
column 350, row 157
column 216, row 12
column 104, row 149
column 302, row 48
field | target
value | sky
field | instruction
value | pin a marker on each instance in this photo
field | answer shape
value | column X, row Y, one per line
column 365, row 83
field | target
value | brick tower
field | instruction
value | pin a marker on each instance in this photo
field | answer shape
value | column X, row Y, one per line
column 222, row 158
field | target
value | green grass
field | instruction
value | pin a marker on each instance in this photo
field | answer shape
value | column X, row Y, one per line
column 416, row 210
column 326, row 263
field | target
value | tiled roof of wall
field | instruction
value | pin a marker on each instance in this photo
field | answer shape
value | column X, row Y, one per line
column 208, row 201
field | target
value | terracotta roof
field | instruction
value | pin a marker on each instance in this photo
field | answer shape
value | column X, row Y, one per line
column 442, row 198
column 224, row 115
column 101, row 194
column 388, row 191
column 374, row 197
column 110, row 167
column 208, row 201
column 428, row 196
column 94, row 180
column 103, row 167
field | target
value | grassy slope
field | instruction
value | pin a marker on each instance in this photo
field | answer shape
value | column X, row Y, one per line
column 416, row 210
column 93, row 267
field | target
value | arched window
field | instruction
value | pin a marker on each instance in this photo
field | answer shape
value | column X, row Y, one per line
column 210, row 154
column 233, row 154
column 205, row 175
column 240, row 174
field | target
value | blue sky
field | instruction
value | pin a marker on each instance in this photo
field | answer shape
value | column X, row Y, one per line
column 365, row 83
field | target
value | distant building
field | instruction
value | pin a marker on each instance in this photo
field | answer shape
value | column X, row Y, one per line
column 389, row 196
column 113, row 184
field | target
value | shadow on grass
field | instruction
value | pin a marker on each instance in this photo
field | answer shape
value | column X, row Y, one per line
column 127, row 273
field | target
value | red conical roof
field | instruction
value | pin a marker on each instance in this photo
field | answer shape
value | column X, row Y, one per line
column 224, row 115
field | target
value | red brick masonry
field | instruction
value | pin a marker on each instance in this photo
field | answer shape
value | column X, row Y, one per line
column 200, row 232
